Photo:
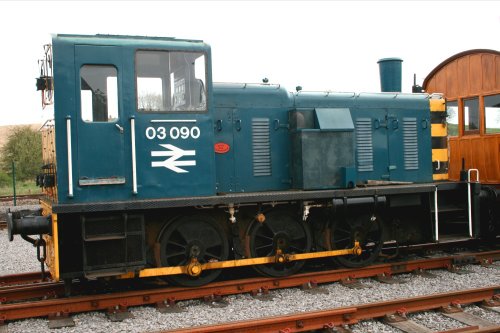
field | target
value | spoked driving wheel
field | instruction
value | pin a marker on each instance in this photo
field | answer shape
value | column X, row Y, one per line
column 280, row 230
column 193, row 237
column 366, row 229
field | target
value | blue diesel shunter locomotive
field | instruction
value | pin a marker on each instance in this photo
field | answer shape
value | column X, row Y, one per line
column 151, row 169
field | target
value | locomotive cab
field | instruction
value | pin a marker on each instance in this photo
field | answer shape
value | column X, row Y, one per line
column 140, row 125
column 134, row 122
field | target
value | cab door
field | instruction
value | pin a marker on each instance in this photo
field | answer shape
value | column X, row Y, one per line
column 99, row 118
column 173, row 125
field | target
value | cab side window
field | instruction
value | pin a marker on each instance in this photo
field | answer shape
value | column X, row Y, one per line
column 170, row 81
column 99, row 93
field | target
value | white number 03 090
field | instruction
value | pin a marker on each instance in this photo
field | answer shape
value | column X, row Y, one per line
column 174, row 133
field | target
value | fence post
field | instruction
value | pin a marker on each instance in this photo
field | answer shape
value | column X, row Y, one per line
column 14, row 182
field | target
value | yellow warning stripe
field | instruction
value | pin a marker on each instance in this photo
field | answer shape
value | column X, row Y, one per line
column 439, row 130
column 440, row 176
column 440, row 155
column 438, row 105
column 55, row 235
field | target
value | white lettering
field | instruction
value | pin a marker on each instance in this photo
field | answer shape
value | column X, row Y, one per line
column 195, row 132
column 150, row 133
column 174, row 133
column 162, row 133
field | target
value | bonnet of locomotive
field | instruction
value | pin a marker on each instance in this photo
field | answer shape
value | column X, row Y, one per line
column 251, row 95
column 251, row 137
column 391, row 133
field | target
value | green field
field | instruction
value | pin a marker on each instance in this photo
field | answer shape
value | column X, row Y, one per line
column 24, row 187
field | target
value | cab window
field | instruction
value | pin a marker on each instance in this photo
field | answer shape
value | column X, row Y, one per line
column 170, row 81
column 98, row 93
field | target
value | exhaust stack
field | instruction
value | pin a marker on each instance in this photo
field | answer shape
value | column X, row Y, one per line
column 390, row 74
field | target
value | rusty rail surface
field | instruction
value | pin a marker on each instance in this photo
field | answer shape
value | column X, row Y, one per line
column 328, row 319
column 23, row 278
column 21, row 197
column 54, row 306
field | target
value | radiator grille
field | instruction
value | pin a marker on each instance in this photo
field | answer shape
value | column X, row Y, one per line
column 410, row 142
column 364, row 144
column 261, row 147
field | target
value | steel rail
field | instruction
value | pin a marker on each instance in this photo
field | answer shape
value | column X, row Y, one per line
column 22, row 278
column 21, row 197
column 37, row 290
column 299, row 322
column 123, row 300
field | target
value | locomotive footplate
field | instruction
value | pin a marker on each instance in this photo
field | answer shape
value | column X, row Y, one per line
column 241, row 198
column 194, row 268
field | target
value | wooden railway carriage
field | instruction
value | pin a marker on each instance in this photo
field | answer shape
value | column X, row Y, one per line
column 153, row 170
column 470, row 82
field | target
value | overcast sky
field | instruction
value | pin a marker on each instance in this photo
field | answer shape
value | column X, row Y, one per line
column 326, row 45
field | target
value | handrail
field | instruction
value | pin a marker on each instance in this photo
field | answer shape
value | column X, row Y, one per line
column 436, row 214
column 70, row 162
column 134, row 162
column 469, row 196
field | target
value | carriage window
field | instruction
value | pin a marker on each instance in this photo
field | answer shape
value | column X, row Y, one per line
column 170, row 81
column 492, row 113
column 99, row 93
column 471, row 115
column 452, row 117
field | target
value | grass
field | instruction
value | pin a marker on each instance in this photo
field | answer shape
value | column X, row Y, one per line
column 22, row 187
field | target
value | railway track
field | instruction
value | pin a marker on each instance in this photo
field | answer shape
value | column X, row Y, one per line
column 23, row 201
column 394, row 314
column 8, row 198
column 46, row 299
column 23, row 278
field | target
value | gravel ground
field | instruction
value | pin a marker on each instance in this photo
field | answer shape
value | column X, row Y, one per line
column 20, row 256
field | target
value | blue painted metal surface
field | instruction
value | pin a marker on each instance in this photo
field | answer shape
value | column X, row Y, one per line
column 393, row 140
column 241, row 143
column 390, row 74
column 102, row 151
column 253, row 120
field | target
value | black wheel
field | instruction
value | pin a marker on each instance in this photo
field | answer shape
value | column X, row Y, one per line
column 280, row 230
column 366, row 229
column 189, row 237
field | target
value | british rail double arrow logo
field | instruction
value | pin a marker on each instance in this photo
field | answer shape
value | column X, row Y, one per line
column 174, row 153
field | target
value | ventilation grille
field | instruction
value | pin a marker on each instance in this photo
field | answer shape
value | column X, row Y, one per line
column 410, row 141
column 364, row 144
column 261, row 147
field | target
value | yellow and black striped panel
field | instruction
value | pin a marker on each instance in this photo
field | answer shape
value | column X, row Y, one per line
column 439, row 133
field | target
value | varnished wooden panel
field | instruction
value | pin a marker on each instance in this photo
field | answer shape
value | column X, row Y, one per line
column 488, row 69
column 475, row 74
column 470, row 75
column 497, row 72
column 451, row 80
column 462, row 77
column 479, row 152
